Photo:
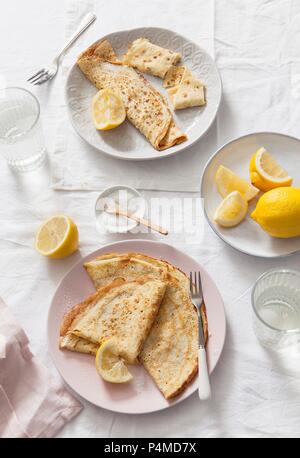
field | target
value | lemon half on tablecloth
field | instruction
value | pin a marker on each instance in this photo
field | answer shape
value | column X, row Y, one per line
column 109, row 364
column 108, row 110
column 57, row 237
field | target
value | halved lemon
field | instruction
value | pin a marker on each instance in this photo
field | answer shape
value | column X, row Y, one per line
column 110, row 365
column 266, row 173
column 232, row 210
column 57, row 237
column 108, row 110
column 227, row 182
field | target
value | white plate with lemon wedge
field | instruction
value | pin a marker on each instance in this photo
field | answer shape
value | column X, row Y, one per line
column 274, row 229
column 125, row 142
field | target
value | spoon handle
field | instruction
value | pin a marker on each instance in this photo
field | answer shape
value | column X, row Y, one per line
column 143, row 221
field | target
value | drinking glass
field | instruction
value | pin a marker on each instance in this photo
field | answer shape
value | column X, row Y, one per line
column 276, row 306
column 21, row 136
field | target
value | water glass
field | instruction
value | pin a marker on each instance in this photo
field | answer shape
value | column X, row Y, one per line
column 276, row 306
column 21, row 136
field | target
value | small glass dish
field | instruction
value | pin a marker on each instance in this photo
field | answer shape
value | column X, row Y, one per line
column 276, row 306
column 128, row 199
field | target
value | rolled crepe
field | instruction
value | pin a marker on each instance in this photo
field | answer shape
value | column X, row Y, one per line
column 173, row 76
column 145, row 107
column 149, row 58
column 188, row 91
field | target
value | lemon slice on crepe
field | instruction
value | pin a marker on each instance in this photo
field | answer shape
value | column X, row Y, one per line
column 227, row 182
column 108, row 110
column 266, row 173
column 110, row 365
column 232, row 210
column 57, row 237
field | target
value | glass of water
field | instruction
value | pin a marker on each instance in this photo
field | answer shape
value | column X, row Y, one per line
column 21, row 136
column 276, row 306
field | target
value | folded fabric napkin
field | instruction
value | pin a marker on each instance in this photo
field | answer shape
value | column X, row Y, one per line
column 32, row 403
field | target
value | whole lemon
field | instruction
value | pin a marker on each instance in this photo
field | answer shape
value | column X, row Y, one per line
column 278, row 212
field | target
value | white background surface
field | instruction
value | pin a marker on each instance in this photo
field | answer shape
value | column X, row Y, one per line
column 256, row 45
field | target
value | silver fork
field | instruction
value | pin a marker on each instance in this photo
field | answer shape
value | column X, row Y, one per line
column 49, row 71
column 196, row 290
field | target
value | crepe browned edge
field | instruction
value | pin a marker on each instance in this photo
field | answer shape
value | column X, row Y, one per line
column 170, row 135
column 107, row 52
column 70, row 316
column 171, row 269
column 196, row 367
column 126, row 257
column 104, row 52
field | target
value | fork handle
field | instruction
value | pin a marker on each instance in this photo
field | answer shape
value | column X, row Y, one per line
column 85, row 23
column 204, row 389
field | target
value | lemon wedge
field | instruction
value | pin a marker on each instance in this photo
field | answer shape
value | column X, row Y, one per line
column 108, row 110
column 57, row 237
column 110, row 365
column 227, row 182
column 232, row 210
column 266, row 173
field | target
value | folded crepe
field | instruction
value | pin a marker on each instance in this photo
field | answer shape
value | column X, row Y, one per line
column 69, row 341
column 123, row 310
column 170, row 352
column 150, row 58
column 184, row 89
column 104, row 269
column 145, row 107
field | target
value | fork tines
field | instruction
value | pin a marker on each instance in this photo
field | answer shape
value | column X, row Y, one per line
column 37, row 76
column 40, row 77
column 196, row 285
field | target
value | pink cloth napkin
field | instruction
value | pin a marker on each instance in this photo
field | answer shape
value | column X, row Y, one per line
column 32, row 402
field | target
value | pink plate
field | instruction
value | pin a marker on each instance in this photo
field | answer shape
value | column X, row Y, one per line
column 141, row 395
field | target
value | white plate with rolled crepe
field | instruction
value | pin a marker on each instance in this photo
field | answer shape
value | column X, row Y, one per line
column 126, row 142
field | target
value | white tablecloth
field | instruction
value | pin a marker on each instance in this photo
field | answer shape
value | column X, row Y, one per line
column 255, row 393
